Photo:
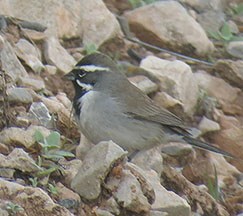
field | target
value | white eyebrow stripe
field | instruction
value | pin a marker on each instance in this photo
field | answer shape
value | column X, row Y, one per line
column 85, row 86
column 91, row 68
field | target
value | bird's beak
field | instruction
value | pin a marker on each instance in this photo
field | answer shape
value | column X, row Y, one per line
column 69, row 76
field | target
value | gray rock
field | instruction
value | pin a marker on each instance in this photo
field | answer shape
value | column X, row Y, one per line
column 102, row 212
column 7, row 173
column 129, row 194
column 157, row 213
column 177, row 149
column 163, row 28
column 10, row 63
column 96, row 165
column 167, row 201
column 144, row 84
column 56, row 55
column 235, row 48
column 207, row 125
column 20, row 160
column 205, row 5
column 212, row 20
column 149, row 159
column 111, row 206
column 35, row 84
column 38, row 112
column 29, row 54
column 176, row 79
column 19, row 95
column 19, row 136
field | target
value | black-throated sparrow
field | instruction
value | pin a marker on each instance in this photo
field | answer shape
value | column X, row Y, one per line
column 109, row 107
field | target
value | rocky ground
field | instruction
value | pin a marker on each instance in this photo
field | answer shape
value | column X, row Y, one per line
column 186, row 55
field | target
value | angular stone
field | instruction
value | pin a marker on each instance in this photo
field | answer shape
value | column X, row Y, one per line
column 216, row 87
column 35, row 84
column 96, row 165
column 231, row 71
column 157, row 24
column 19, row 95
column 107, row 24
column 29, row 54
column 144, row 84
column 129, row 194
column 39, row 113
column 19, row 136
column 20, row 160
column 31, row 199
column 176, row 79
column 207, row 125
column 140, row 175
column 10, row 63
column 56, row 55
column 167, row 201
column 149, row 159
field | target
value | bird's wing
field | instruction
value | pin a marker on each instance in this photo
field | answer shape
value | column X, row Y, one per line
column 144, row 108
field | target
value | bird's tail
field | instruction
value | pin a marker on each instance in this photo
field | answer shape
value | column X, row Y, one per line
column 206, row 146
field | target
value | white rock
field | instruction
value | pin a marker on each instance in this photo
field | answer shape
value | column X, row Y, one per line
column 149, row 159
column 56, row 55
column 176, row 79
column 208, row 125
column 165, row 200
column 143, row 83
column 96, row 18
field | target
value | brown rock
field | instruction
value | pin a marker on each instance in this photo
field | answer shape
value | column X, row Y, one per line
column 34, row 201
column 157, row 24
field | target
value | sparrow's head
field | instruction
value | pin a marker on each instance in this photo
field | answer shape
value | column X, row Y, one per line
column 92, row 70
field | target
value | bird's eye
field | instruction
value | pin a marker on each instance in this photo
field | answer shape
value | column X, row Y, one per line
column 82, row 74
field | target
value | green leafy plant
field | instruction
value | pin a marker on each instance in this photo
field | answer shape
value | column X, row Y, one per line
column 51, row 146
column 34, row 181
column 225, row 34
column 238, row 9
column 139, row 3
column 90, row 48
column 52, row 189
column 13, row 208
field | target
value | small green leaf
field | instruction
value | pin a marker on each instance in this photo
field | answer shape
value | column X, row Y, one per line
column 38, row 136
column 53, row 139
column 64, row 153
column 90, row 48
column 237, row 38
column 225, row 32
column 46, row 172
column 239, row 9
column 52, row 189
column 214, row 35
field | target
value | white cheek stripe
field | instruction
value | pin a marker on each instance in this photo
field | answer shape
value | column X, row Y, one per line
column 91, row 68
column 85, row 86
